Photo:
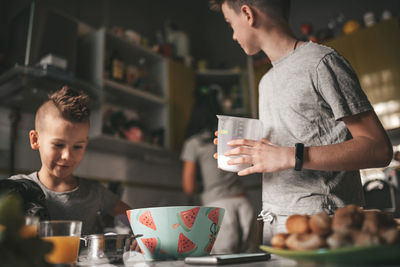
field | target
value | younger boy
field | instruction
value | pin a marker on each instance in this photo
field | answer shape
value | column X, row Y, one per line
column 61, row 136
column 319, row 126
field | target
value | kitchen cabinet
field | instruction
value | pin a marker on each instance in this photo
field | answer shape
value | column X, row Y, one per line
column 26, row 83
column 375, row 56
column 142, row 103
column 182, row 83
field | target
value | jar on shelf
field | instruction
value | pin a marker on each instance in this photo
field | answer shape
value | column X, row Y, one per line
column 131, row 74
column 117, row 67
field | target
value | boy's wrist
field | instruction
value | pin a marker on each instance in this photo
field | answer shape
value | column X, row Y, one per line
column 291, row 157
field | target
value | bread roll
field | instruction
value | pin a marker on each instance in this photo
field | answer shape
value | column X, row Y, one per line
column 278, row 240
column 347, row 218
column 350, row 226
column 306, row 241
column 298, row 224
column 320, row 223
column 372, row 222
column 390, row 235
column 376, row 219
column 365, row 239
column 339, row 240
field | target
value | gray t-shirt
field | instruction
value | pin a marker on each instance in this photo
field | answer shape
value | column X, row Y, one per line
column 81, row 204
column 217, row 184
column 303, row 98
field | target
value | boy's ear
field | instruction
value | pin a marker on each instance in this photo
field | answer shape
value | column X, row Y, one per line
column 248, row 13
column 34, row 139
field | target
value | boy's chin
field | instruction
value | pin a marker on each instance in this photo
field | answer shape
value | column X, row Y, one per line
column 251, row 52
column 61, row 174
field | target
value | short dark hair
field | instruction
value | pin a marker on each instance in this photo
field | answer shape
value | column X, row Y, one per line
column 204, row 113
column 72, row 104
column 276, row 9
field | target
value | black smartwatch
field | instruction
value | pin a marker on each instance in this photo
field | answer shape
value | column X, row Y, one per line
column 299, row 156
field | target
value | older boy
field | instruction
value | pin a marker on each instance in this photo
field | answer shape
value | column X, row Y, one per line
column 61, row 135
column 319, row 126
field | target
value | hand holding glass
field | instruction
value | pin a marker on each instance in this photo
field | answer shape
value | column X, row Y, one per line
column 232, row 128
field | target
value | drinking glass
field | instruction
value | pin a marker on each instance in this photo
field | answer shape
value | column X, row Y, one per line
column 64, row 235
column 30, row 229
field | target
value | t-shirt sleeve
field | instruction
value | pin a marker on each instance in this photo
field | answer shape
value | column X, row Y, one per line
column 108, row 199
column 339, row 86
column 189, row 150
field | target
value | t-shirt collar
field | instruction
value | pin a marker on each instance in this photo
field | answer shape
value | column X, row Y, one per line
column 278, row 61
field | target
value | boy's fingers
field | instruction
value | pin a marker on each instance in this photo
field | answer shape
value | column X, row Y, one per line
column 215, row 155
column 247, row 171
column 215, row 141
column 242, row 142
column 135, row 246
column 265, row 141
column 216, row 133
column 241, row 150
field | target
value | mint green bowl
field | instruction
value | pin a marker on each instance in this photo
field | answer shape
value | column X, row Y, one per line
column 176, row 232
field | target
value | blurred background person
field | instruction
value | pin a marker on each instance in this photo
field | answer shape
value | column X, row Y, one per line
column 219, row 188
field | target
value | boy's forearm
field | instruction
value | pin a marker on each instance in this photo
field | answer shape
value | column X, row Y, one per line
column 355, row 154
column 370, row 147
column 120, row 208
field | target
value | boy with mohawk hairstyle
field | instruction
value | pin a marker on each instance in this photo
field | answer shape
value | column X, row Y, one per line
column 61, row 136
column 319, row 127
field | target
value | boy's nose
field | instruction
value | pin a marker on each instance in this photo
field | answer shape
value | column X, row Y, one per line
column 65, row 154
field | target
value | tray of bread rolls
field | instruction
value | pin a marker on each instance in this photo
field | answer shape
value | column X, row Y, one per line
column 350, row 236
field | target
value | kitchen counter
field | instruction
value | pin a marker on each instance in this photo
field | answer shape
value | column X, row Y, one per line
column 275, row 261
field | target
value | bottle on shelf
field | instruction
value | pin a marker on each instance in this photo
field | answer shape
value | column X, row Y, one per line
column 117, row 67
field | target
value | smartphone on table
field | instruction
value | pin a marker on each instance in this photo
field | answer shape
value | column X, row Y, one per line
column 228, row 258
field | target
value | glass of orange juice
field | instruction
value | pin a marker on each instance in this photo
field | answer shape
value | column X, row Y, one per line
column 64, row 235
column 31, row 227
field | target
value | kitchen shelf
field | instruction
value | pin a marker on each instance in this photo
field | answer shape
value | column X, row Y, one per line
column 26, row 88
column 218, row 72
column 149, row 102
column 133, row 49
column 118, row 92
column 119, row 146
column 223, row 77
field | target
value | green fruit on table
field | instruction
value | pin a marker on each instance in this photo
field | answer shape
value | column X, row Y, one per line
column 15, row 250
column 11, row 216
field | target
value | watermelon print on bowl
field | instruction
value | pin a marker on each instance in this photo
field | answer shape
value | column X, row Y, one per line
column 176, row 232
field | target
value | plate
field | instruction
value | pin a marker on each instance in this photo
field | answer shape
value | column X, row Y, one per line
column 349, row 255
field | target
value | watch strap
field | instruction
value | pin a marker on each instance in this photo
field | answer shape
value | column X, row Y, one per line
column 299, row 156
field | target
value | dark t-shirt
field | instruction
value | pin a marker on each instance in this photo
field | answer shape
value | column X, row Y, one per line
column 81, row 204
